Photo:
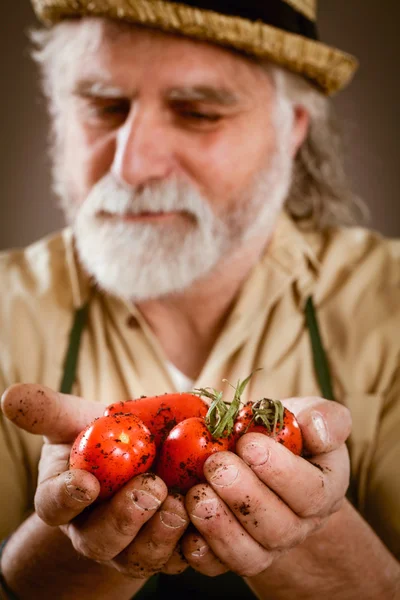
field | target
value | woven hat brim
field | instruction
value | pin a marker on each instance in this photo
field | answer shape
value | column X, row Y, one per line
column 329, row 68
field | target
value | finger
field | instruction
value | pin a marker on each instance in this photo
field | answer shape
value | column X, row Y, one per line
column 176, row 564
column 325, row 425
column 62, row 494
column 40, row 410
column 54, row 460
column 65, row 496
column 224, row 534
column 200, row 556
column 259, row 510
column 155, row 544
column 309, row 488
column 110, row 527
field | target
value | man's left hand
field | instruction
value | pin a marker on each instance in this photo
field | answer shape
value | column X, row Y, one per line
column 265, row 500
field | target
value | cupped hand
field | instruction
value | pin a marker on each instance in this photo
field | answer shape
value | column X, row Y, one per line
column 137, row 531
column 265, row 500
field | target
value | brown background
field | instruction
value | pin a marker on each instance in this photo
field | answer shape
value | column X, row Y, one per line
column 369, row 110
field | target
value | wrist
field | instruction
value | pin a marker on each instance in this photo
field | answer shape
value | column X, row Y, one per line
column 40, row 562
column 343, row 560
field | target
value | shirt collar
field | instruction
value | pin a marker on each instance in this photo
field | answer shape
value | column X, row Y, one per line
column 290, row 247
column 291, row 255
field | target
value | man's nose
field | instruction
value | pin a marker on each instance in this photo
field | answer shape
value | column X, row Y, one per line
column 143, row 151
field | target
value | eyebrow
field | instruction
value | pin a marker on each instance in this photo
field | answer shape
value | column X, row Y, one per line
column 203, row 93
column 199, row 93
column 97, row 89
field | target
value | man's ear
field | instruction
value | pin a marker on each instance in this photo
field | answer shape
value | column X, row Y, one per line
column 301, row 124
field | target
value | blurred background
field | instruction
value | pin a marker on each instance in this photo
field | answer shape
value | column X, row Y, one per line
column 368, row 109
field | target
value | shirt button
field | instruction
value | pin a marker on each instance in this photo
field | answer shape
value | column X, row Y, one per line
column 132, row 322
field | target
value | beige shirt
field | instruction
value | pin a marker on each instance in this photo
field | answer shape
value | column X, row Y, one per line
column 354, row 277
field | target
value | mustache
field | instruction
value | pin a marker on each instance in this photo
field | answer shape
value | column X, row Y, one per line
column 108, row 195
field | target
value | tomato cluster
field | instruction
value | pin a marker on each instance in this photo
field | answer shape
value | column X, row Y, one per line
column 174, row 434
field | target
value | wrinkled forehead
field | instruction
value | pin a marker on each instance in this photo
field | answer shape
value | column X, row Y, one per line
column 115, row 48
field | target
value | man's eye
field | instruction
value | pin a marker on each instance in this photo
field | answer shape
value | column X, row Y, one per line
column 200, row 116
column 109, row 109
column 120, row 108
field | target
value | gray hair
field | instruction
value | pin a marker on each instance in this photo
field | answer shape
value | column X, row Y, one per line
column 320, row 195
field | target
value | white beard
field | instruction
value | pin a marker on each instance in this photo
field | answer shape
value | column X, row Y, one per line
column 139, row 261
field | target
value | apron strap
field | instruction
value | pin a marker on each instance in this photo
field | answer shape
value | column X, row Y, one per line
column 319, row 355
column 72, row 354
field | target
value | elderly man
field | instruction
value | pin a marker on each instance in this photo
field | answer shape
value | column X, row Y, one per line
column 198, row 166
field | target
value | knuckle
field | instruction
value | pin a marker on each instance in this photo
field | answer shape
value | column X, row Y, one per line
column 315, row 524
column 157, row 556
column 337, row 505
column 316, row 500
column 150, row 559
column 90, row 550
column 254, row 569
column 123, row 525
column 285, row 535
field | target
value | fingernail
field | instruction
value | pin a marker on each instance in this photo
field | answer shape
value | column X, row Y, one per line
column 205, row 509
column 78, row 493
column 320, row 427
column 144, row 500
column 255, row 455
column 172, row 520
column 200, row 552
column 225, row 476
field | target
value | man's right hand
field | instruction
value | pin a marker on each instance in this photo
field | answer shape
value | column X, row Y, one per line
column 137, row 531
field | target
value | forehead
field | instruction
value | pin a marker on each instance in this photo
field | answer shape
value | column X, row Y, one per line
column 122, row 53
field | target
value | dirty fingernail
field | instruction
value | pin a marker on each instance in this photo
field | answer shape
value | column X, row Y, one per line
column 199, row 552
column 225, row 476
column 144, row 500
column 78, row 493
column 205, row 509
column 172, row 520
column 255, row 454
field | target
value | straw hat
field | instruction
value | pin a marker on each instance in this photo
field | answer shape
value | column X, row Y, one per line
column 283, row 31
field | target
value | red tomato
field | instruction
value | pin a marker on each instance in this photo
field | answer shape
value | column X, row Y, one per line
column 161, row 413
column 114, row 449
column 265, row 416
column 184, row 452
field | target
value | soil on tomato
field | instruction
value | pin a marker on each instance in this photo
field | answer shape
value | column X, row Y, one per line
column 144, row 459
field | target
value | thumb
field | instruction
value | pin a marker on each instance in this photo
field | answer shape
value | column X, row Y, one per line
column 325, row 424
column 38, row 409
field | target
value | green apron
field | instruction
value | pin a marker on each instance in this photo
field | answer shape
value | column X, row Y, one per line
column 190, row 584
